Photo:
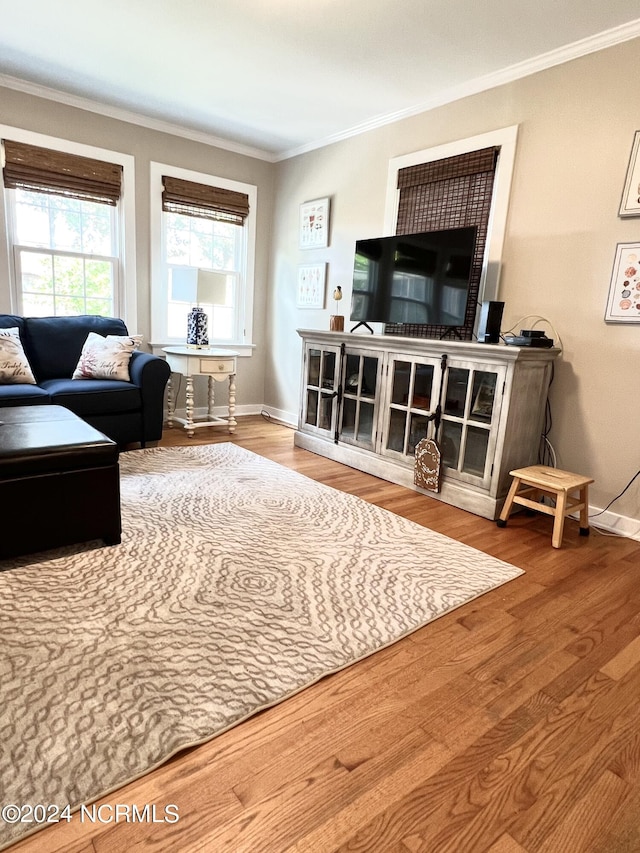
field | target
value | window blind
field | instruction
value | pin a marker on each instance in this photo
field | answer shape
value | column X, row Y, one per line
column 29, row 167
column 450, row 193
column 194, row 199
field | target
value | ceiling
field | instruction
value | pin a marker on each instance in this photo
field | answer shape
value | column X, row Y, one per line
column 277, row 77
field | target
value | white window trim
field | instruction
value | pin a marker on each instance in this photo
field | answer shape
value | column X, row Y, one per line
column 127, row 296
column 505, row 138
column 158, row 268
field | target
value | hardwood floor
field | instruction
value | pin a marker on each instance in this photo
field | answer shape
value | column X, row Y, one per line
column 511, row 725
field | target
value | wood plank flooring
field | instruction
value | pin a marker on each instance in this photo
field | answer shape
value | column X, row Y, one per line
column 511, row 725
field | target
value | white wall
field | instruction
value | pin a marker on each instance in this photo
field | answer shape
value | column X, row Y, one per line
column 576, row 126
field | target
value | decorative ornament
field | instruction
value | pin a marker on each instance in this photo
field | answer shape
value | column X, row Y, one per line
column 427, row 465
column 336, row 321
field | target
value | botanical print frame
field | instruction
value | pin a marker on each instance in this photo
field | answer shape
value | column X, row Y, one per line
column 311, row 285
column 623, row 304
column 314, row 224
column 630, row 204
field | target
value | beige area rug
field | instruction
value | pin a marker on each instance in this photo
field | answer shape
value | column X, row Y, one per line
column 238, row 583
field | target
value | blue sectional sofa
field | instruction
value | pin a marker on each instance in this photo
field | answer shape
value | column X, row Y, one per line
column 127, row 412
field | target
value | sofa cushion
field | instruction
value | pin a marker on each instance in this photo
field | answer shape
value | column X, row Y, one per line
column 53, row 344
column 94, row 396
column 23, row 395
column 10, row 321
column 106, row 358
column 14, row 365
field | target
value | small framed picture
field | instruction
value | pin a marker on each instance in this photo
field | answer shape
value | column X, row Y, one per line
column 623, row 304
column 311, row 285
column 314, row 224
column 630, row 204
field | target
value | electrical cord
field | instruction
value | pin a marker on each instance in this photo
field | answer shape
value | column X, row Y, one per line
column 547, row 454
column 519, row 324
column 613, row 500
column 546, row 451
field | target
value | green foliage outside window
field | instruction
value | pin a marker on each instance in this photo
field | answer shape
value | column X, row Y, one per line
column 66, row 255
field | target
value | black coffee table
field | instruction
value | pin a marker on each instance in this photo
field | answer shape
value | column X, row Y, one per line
column 59, row 481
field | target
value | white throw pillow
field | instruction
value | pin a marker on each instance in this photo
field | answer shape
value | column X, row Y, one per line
column 106, row 358
column 14, row 365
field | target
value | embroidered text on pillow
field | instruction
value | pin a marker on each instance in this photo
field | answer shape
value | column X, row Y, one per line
column 14, row 364
column 106, row 358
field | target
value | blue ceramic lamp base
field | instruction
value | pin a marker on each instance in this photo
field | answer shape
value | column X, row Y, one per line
column 197, row 328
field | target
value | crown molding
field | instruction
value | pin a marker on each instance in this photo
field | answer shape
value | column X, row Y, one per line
column 131, row 117
column 575, row 50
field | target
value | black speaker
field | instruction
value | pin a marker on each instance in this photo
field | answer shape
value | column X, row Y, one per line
column 489, row 324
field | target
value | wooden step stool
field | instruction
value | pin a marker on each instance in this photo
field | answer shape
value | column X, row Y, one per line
column 531, row 484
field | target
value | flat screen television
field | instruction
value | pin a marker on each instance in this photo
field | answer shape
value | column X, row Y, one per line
column 413, row 278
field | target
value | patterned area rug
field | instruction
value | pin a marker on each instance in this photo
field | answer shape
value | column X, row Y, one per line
column 238, row 583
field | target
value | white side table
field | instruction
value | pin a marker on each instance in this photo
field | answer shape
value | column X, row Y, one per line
column 217, row 365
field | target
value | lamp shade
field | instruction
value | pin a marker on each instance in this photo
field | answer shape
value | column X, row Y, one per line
column 184, row 284
column 212, row 288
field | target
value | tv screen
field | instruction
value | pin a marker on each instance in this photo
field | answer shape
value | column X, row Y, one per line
column 413, row 278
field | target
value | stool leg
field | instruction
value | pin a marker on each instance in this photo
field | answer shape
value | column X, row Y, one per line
column 506, row 509
column 558, row 524
column 584, row 512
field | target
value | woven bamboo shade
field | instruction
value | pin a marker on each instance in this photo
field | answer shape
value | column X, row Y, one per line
column 454, row 192
column 194, row 199
column 29, row 167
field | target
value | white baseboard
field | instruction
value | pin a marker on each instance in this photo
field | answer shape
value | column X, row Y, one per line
column 281, row 416
column 623, row 525
column 218, row 411
column 278, row 415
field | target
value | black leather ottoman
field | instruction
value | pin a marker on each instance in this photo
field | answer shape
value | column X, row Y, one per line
column 59, row 481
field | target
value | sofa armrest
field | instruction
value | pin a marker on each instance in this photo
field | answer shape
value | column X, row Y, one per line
column 151, row 374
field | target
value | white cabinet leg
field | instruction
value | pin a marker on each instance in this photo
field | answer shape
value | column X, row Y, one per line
column 189, row 396
column 171, row 402
column 232, row 402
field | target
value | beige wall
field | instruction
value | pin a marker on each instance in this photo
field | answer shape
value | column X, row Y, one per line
column 45, row 116
column 576, row 125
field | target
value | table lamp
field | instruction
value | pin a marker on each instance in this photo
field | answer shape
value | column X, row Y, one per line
column 211, row 289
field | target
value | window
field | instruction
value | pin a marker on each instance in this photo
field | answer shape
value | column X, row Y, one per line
column 65, row 210
column 201, row 222
column 448, row 193
column 65, row 255
column 399, row 216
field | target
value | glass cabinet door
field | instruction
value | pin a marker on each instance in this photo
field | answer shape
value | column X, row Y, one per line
column 361, row 381
column 319, row 411
column 411, row 401
column 470, row 409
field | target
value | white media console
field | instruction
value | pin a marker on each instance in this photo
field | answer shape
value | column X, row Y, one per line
column 367, row 400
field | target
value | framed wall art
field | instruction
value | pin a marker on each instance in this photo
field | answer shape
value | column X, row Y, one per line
column 311, row 285
column 630, row 204
column 314, row 224
column 623, row 304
